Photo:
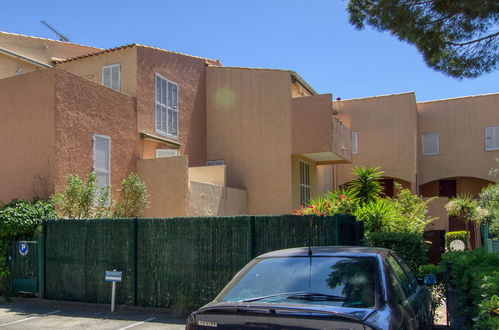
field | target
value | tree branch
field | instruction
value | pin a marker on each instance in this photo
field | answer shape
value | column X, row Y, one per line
column 473, row 41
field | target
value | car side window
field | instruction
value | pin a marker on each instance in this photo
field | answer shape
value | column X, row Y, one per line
column 405, row 283
column 408, row 272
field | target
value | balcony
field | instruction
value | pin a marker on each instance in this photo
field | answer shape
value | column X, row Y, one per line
column 316, row 133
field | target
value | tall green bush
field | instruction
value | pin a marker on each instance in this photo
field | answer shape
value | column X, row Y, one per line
column 410, row 246
column 19, row 220
column 475, row 275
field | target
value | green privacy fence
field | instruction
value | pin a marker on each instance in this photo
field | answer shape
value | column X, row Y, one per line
column 174, row 261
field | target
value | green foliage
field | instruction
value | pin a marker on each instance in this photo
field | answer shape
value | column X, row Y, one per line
column 341, row 201
column 366, row 185
column 19, row 220
column 475, row 275
column 438, row 290
column 488, row 314
column 376, row 214
column 489, row 200
column 76, row 201
column 133, row 197
column 411, row 211
column 455, row 235
column 456, row 37
column 84, row 200
column 465, row 207
column 411, row 247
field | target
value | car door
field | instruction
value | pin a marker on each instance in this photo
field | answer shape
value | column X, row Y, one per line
column 421, row 300
column 412, row 307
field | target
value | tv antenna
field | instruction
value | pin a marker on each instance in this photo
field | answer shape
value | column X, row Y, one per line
column 61, row 36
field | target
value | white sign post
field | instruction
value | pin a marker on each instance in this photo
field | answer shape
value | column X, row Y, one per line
column 113, row 276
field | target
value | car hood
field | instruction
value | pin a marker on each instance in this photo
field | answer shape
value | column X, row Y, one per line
column 353, row 314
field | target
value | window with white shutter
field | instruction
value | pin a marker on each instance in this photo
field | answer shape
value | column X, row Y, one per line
column 166, row 107
column 492, row 138
column 355, row 147
column 102, row 160
column 304, row 183
column 162, row 153
column 111, row 76
column 431, row 143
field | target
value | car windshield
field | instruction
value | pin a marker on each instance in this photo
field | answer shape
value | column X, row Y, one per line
column 336, row 281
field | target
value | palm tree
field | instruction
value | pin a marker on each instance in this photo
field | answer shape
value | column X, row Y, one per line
column 366, row 186
column 465, row 207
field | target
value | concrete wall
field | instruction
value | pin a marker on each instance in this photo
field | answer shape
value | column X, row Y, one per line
column 167, row 183
column 249, row 127
column 84, row 108
column 387, row 134
column 91, row 67
column 312, row 124
column 460, row 123
column 213, row 174
column 9, row 66
column 189, row 73
column 207, row 199
column 42, row 49
column 436, row 209
column 27, row 128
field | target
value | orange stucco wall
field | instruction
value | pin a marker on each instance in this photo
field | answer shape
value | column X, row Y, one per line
column 312, row 124
column 167, row 181
column 387, row 132
column 249, row 127
column 91, row 67
column 27, row 134
column 84, row 108
column 461, row 123
column 189, row 73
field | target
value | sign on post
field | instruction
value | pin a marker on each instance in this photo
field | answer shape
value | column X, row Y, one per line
column 113, row 276
column 23, row 248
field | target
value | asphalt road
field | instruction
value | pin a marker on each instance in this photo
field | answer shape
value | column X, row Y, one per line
column 26, row 313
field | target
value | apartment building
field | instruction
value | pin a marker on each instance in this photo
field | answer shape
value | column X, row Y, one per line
column 206, row 139
column 437, row 148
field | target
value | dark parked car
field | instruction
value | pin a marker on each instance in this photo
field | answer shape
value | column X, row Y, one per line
column 320, row 288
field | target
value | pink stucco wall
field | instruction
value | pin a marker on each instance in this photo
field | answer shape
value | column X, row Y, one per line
column 27, row 135
column 189, row 74
column 84, row 108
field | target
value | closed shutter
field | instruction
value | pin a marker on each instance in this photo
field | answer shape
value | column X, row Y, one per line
column 166, row 107
column 431, row 143
column 161, row 153
column 492, row 138
column 102, row 160
column 111, row 76
column 355, row 147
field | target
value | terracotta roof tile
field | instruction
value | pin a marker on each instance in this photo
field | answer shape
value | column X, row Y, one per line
column 211, row 61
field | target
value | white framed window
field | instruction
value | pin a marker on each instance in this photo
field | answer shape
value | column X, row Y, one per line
column 492, row 138
column 355, row 146
column 102, row 160
column 161, row 153
column 431, row 144
column 304, row 182
column 166, row 107
column 327, row 179
column 215, row 162
column 111, row 76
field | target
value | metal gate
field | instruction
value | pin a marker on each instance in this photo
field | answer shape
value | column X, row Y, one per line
column 23, row 260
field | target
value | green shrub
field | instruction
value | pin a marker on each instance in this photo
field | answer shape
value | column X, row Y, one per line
column 456, row 235
column 475, row 275
column 19, row 220
column 411, row 247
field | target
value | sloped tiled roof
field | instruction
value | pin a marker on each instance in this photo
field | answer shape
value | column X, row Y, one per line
column 47, row 39
column 104, row 51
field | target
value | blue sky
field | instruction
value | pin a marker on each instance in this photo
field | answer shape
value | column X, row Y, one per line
column 311, row 37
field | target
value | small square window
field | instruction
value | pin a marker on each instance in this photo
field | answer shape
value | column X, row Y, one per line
column 111, row 76
column 431, row 143
column 492, row 138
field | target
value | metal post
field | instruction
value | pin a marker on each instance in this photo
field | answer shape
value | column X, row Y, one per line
column 113, row 293
column 41, row 260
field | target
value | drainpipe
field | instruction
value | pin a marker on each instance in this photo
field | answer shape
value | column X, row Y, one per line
column 23, row 58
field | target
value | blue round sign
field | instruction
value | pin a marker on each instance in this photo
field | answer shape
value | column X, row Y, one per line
column 23, row 248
